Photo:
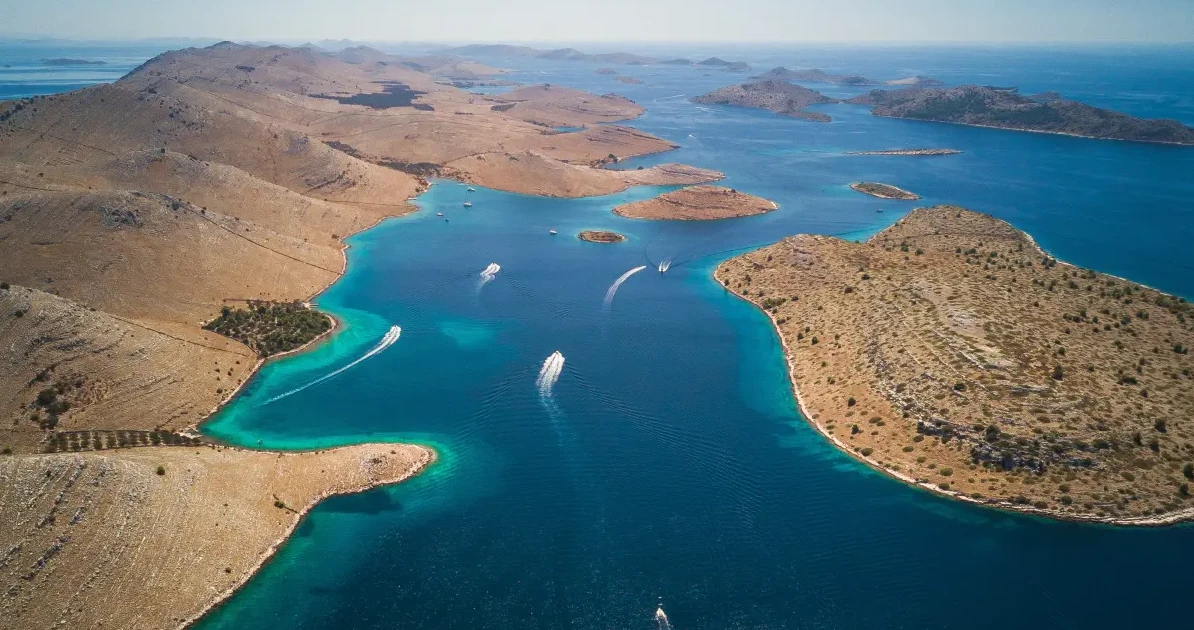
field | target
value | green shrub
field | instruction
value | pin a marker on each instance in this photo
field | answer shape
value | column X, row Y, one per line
column 851, row 402
column 47, row 396
column 161, row 470
column 866, row 452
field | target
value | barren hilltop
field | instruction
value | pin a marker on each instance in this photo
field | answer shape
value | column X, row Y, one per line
column 951, row 352
column 1006, row 108
column 128, row 214
column 697, row 203
column 780, row 97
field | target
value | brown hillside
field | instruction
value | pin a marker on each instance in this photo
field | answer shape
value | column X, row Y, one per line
column 951, row 351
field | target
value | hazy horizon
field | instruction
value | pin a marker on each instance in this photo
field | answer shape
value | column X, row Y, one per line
column 615, row 21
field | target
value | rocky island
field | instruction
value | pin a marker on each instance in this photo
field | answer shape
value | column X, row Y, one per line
column 953, row 353
column 883, row 191
column 815, row 75
column 910, row 152
column 66, row 61
column 600, row 236
column 697, row 203
column 780, row 97
column 1005, row 108
column 722, row 64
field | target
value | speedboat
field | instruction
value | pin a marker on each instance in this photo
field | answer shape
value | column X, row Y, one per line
column 879, row 210
column 471, row 189
column 439, row 214
column 468, row 204
column 552, row 232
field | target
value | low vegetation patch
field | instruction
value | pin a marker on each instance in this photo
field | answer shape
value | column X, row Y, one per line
column 271, row 327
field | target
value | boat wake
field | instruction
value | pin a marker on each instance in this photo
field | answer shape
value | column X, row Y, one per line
column 664, row 265
column 488, row 274
column 549, row 374
column 387, row 340
column 661, row 619
column 613, row 288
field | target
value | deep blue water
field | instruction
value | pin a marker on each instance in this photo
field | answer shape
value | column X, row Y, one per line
column 669, row 463
column 24, row 73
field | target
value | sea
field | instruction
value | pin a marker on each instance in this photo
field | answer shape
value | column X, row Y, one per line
column 662, row 464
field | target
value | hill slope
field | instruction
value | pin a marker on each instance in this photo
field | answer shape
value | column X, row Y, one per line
column 1007, row 109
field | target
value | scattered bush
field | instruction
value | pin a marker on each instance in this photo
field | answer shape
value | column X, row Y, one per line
column 161, row 470
column 47, row 396
column 866, row 452
column 851, row 402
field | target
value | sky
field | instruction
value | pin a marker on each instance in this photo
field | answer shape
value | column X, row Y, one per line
column 1148, row 21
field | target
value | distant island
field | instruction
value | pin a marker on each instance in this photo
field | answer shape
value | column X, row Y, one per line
column 884, row 191
column 780, row 97
column 569, row 54
column 64, row 61
column 951, row 352
column 920, row 152
column 628, row 80
column 1005, row 108
column 697, row 203
column 572, row 54
column 600, row 236
column 815, row 75
column 722, row 64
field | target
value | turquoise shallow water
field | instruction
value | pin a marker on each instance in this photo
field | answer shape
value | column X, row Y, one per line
column 669, row 463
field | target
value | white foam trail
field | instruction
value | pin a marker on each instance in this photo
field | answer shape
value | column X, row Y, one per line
column 613, row 288
column 550, row 373
column 664, row 265
column 387, row 340
column 661, row 619
column 488, row 274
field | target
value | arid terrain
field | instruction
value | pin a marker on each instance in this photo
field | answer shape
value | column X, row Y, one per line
column 600, row 236
column 129, row 213
column 950, row 351
column 1006, row 108
column 150, row 538
column 907, row 152
column 773, row 95
column 697, row 203
column 884, row 191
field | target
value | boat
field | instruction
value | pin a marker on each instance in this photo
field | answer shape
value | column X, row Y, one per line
column 468, row 204
column 879, row 210
column 439, row 214
column 552, row 232
column 471, row 189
